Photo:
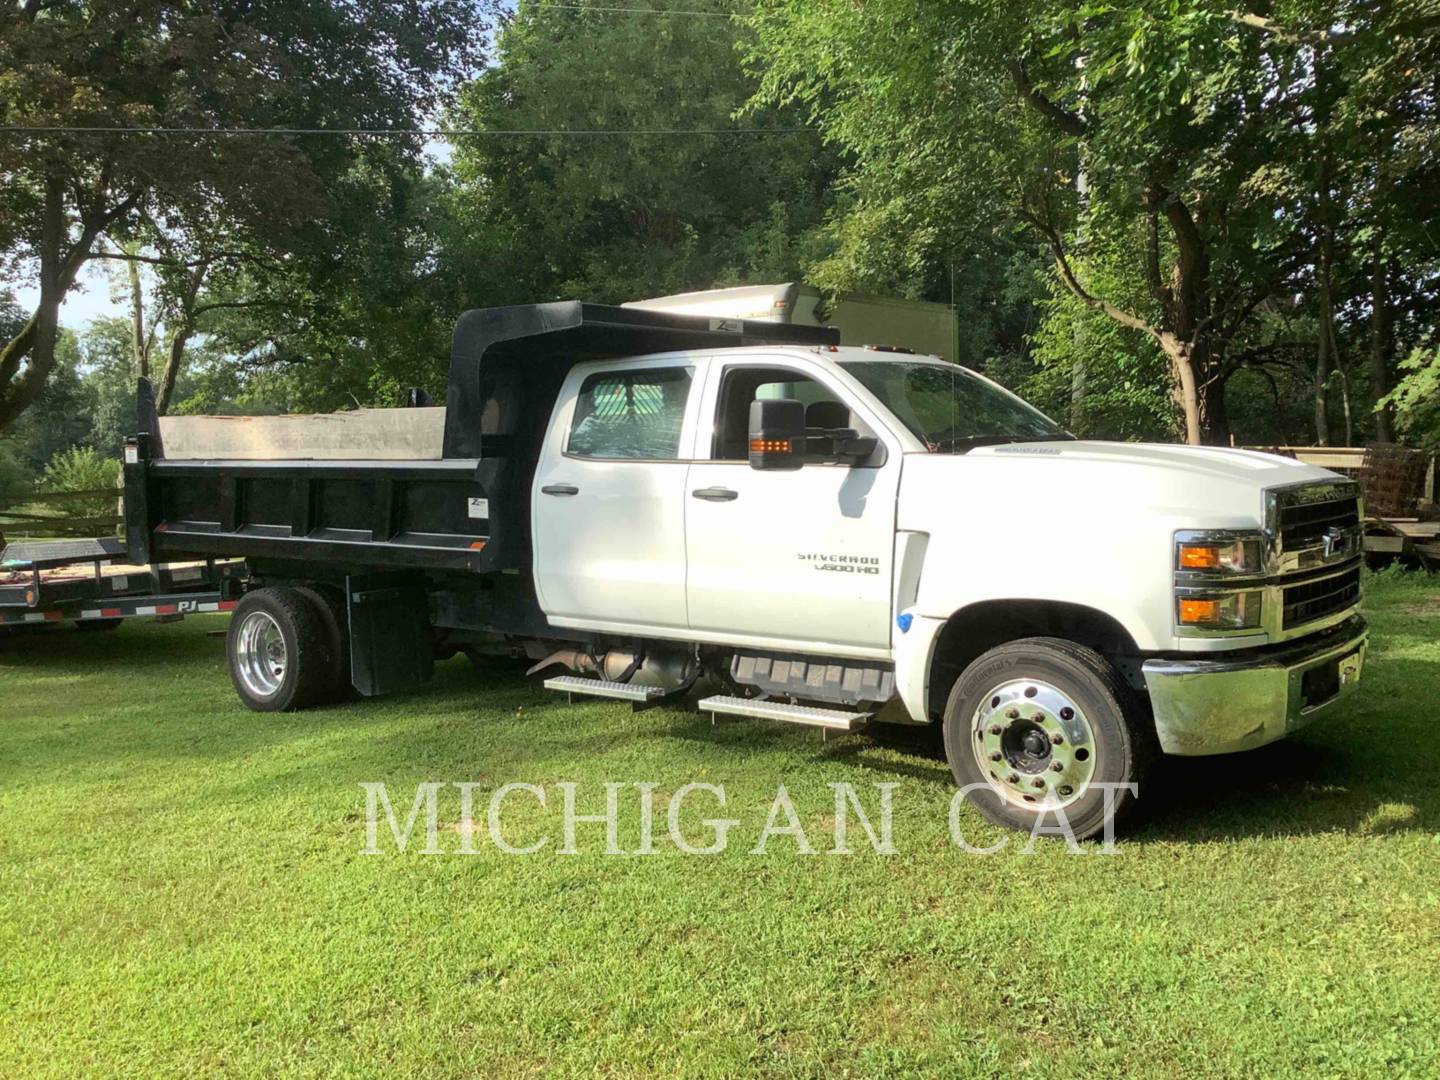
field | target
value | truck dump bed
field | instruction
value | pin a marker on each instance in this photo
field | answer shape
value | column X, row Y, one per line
column 286, row 488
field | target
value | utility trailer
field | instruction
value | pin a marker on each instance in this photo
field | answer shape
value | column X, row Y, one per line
column 89, row 582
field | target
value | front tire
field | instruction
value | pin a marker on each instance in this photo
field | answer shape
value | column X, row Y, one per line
column 279, row 650
column 1044, row 722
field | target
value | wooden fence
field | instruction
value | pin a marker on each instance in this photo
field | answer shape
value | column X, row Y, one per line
column 45, row 515
column 1349, row 460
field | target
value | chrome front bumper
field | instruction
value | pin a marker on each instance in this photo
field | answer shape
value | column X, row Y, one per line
column 1219, row 705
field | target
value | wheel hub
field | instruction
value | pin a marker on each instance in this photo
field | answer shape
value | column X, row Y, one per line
column 260, row 656
column 1034, row 743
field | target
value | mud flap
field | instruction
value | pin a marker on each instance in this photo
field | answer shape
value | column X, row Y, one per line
column 389, row 635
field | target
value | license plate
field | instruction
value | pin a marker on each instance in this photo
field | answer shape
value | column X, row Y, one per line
column 1350, row 668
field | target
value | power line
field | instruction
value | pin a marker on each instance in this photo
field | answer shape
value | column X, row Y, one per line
column 425, row 133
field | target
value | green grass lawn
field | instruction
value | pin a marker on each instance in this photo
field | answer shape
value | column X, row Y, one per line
column 182, row 889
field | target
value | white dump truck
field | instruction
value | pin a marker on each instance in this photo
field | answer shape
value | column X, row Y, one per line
column 660, row 508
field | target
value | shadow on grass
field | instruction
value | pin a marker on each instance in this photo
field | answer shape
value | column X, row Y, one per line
column 1369, row 766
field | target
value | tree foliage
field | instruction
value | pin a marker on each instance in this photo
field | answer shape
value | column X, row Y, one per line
column 614, row 218
column 1190, row 218
column 1223, row 153
column 1416, row 398
column 207, row 65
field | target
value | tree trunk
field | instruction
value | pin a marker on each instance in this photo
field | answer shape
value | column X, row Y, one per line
column 137, row 322
column 36, row 340
column 174, row 359
column 1381, row 341
column 184, row 330
column 1325, row 335
column 1322, row 374
column 1199, row 391
column 1345, row 403
column 1078, row 420
column 1215, row 417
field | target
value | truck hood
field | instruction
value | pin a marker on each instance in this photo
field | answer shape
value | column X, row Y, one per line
column 1211, row 463
column 1089, row 523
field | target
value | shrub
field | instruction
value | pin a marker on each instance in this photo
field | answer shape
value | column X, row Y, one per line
column 83, row 469
column 1416, row 398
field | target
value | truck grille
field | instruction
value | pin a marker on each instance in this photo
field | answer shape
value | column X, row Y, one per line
column 1306, row 522
column 1315, row 599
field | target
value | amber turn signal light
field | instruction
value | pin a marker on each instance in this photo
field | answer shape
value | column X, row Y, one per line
column 1199, row 612
column 1199, row 557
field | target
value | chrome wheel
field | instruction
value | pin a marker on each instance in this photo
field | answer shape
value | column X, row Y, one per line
column 260, row 657
column 1034, row 743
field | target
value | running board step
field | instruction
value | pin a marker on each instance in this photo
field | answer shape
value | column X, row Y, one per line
column 830, row 719
column 574, row 684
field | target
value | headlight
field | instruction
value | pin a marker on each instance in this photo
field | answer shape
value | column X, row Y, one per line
column 1237, row 609
column 1217, row 553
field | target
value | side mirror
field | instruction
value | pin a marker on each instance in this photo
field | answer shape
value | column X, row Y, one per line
column 777, row 434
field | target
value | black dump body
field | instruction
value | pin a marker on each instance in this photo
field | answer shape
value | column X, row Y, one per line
column 340, row 517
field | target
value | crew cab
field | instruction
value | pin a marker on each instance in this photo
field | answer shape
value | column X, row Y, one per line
column 648, row 504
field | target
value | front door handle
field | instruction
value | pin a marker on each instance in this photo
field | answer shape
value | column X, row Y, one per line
column 560, row 489
column 716, row 494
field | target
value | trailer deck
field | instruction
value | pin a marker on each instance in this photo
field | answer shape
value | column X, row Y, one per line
column 92, row 581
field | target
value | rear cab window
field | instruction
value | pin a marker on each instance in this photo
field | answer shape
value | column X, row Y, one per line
column 636, row 414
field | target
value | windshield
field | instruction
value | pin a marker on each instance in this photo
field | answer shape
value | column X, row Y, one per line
column 951, row 409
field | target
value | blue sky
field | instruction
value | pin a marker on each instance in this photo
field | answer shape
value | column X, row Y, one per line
column 89, row 300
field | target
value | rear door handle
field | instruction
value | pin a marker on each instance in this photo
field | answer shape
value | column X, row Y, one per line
column 716, row 494
column 560, row 489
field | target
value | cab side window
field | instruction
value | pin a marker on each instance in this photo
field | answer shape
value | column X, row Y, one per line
column 630, row 414
column 742, row 385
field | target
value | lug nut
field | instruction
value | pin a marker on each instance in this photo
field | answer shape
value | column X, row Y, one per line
column 995, row 755
column 1013, row 714
column 995, row 729
column 1013, row 778
column 1037, row 783
column 1039, row 718
column 1055, row 766
column 1057, row 738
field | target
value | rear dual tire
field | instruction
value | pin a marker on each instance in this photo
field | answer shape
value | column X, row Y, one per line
column 286, row 649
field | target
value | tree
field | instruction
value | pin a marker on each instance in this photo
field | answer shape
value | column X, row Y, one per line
column 208, row 65
column 62, row 417
column 1416, row 397
column 1125, row 381
column 1116, row 128
column 614, row 218
column 197, row 268
column 368, row 313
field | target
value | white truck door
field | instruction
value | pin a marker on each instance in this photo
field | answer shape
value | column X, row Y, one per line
column 798, row 559
column 608, row 505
